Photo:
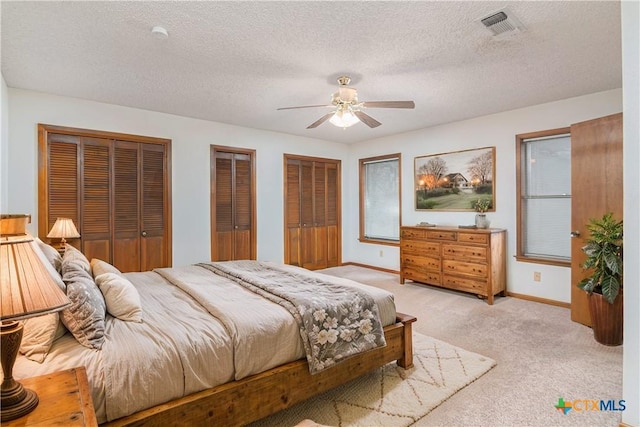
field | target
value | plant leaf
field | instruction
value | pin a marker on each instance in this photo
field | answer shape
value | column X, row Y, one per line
column 610, row 288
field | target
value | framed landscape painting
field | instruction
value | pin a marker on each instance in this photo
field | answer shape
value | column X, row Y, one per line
column 455, row 181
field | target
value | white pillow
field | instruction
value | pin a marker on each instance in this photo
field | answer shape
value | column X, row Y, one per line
column 122, row 298
column 99, row 267
column 39, row 334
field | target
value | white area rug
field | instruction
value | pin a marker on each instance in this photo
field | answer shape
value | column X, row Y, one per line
column 391, row 396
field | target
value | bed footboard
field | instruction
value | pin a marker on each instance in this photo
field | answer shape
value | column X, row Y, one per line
column 241, row 402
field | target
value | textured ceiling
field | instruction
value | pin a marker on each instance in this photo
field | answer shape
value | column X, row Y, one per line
column 237, row 62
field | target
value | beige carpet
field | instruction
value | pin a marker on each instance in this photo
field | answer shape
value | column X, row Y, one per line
column 392, row 396
column 541, row 355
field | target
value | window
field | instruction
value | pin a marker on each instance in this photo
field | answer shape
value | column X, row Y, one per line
column 544, row 197
column 380, row 199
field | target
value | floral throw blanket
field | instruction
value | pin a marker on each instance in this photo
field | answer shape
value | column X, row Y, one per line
column 335, row 321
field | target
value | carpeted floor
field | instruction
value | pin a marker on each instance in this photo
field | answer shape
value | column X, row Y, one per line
column 392, row 396
column 541, row 356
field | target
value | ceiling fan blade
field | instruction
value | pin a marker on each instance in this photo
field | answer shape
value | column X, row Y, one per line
column 389, row 104
column 305, row 106
column 367, row 119
column 320, row 121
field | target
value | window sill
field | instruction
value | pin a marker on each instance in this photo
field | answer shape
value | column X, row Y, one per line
column 380, row 242
column 547, row 261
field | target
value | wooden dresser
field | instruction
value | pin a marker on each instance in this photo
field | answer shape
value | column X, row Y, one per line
column 463, row 259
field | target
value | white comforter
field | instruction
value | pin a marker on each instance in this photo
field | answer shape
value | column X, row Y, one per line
column 199, row 330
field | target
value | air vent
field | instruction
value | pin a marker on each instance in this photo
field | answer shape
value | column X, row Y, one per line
column 502, row 22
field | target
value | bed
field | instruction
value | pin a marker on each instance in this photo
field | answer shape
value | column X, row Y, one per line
column 201, row 348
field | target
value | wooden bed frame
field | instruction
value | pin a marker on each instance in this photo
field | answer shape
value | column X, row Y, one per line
column 240, row 402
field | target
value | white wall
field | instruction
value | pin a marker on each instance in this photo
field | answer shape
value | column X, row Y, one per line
column 4, row 147
column 631, row 95
column 191, row 139
column 497, row 130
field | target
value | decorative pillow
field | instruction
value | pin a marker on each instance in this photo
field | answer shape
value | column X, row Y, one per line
column 40, row 332
column 74, row 256
column 122, row 298
column 85, row 319
column 52, row 254
column 99, row 267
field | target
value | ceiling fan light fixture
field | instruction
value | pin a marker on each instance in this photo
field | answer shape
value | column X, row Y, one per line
column 344, row 118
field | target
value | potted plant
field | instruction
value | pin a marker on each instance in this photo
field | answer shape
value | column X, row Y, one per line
column 604, row 285
column 481, row 206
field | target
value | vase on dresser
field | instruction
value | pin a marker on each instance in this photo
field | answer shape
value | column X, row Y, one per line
column 482, row 221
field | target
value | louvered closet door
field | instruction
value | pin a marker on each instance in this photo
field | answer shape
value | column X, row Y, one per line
column 117, row 192
column 222, row 249
column 139, row 201
column 332, row 215
column 126, row 206
column 292, row 212
column 319, row 215
column 153, row 240
column 61, row 194
column 312, row 212
column 233, row 200
column 95, row 196
column 308, row 230
column 242, row 204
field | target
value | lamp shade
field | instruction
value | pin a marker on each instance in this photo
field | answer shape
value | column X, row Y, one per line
column 28, row 289
column 63, row 228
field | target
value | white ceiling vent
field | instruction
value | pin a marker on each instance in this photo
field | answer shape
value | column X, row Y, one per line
column 502, row 23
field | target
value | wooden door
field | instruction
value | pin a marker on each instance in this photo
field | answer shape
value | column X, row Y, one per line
column 596, row 188
column 312, row 212
column 292, row 203
column 233, row 230
column 126, row 203
column 95, row 206
column 320, row 234
column 243, row 218
column 153, row 221
column 307, row 228
column 334, row 240
column 59, row 181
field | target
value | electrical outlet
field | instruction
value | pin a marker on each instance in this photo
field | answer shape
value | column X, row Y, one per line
column 536, row 276
column 381, row 253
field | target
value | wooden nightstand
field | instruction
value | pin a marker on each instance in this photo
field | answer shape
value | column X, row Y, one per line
column 65, row 399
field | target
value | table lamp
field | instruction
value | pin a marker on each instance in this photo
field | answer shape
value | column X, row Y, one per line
column 28, row 290
column 63, row 229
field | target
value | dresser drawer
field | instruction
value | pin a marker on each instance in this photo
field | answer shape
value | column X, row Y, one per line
column 475, row 286
column 413, row 233
column 442, row 235
column 421, row 247
column 473, row 238
column 420, row 262
column 464, row 253
column 468, row 268
column 422, row 276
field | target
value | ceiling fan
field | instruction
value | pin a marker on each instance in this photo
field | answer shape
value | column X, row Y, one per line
column 348, row 110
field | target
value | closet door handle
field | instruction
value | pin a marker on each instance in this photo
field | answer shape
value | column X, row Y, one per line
column 575, row 233
column 143, row 234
